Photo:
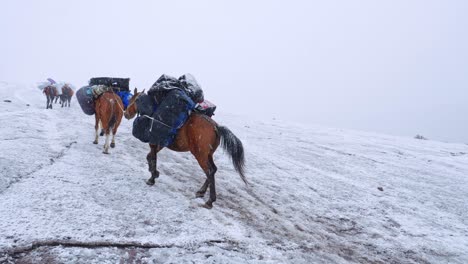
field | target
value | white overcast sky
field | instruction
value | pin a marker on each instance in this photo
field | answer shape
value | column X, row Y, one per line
column 398, row 67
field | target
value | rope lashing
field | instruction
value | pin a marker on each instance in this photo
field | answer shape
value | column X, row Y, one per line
column 154, row 119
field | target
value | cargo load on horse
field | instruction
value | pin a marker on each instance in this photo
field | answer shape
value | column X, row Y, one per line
column 165, row 108
column 97, row 86
column 118, row 84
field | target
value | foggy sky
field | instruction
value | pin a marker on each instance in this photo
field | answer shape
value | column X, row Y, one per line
column 397, row 67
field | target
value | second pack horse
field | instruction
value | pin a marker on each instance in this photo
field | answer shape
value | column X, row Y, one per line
column 109, row 112
column 105, row 98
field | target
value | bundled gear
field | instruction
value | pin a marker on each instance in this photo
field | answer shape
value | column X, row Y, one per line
column 158, row 123
column 85, row 98
column 125, row 96
column 191, row 87
column 166, row 108
column 117, row 84
column 97, row 86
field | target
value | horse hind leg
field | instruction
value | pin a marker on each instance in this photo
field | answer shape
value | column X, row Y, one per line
column 209, row 167
column 106, row 144
column 201, row 192
column 112, row 144
column 97, row 126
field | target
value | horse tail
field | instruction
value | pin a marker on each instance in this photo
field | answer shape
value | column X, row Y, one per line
column 233, row 146
column 112, row 119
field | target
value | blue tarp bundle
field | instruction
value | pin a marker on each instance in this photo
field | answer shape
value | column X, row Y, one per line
column 125, row 96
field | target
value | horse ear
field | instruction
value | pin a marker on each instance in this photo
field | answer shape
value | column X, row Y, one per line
column 143, row 91
column 135, row 91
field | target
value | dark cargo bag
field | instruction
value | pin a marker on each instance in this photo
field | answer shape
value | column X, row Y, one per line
column 118, row 84
column 145, row 104
column 141, row 128
column 84, row 96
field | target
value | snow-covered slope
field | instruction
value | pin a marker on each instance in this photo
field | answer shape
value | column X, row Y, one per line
column 316, row 195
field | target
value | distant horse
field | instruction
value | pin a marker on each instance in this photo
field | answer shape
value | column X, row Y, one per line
column 109, row 112
column 66, row 95
column 50, row 92
column 200, row 135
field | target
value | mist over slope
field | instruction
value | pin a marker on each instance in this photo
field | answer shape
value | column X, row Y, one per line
column 315, row 194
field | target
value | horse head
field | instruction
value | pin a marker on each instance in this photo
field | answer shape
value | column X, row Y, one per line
column 132, row 109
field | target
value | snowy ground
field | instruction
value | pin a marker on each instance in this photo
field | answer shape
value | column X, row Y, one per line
column 316, row 195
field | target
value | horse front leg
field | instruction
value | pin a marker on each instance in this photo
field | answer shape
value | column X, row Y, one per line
column 49, row 102
column 152, row 159
column 211, row 177
column 114, row 131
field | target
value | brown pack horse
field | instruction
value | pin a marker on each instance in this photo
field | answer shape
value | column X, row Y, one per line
column 50, row 92
column 200, row 135
column 109, row 112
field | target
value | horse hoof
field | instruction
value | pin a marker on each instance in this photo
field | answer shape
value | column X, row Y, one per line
column 105, row 152
column 199, row 194
column 95, row 142
column 112, row 145
column 150, row 183
column 208, row 205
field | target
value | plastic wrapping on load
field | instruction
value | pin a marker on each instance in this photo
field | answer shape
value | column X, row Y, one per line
column 186, row 83
column 125, row 96
column 191, row 86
